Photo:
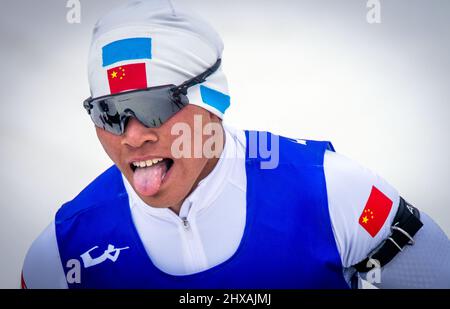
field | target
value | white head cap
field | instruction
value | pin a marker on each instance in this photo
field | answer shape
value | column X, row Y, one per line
column 156, row 42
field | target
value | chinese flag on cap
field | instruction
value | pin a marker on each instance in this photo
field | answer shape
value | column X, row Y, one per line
column 375, row 213
column 127, row 77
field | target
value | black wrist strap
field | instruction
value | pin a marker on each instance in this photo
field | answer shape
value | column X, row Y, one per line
column 406, row 224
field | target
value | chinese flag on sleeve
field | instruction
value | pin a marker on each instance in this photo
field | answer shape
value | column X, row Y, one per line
column 127, row 77
column 375, row 213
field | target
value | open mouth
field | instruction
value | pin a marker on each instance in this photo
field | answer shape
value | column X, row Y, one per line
column 152, row 163
column 149, row 175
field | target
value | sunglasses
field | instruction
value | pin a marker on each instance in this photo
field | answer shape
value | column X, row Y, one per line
column 152, row 106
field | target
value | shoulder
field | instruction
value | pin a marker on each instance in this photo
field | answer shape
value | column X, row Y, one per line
column 362, row 206
column 278, row 150
column 107, row 185
column 42, row 267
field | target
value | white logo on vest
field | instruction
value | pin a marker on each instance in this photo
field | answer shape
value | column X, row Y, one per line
column 111, row 253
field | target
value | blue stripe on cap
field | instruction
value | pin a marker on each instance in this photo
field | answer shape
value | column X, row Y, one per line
column 214, row 98
column 127, row 49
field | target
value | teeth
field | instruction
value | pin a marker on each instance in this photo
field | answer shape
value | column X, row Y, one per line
column 147, row 163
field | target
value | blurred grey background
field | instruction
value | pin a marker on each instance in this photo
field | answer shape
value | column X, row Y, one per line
column 313, row 69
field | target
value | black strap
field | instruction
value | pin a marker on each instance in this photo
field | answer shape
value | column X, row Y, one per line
column 406, row 224
column 197, row 79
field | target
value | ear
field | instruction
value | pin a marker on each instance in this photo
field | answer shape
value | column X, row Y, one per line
column 214, row 117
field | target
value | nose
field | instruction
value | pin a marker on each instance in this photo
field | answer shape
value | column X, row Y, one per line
column 136, row 134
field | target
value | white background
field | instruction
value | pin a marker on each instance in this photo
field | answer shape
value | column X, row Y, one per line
column 309, row 69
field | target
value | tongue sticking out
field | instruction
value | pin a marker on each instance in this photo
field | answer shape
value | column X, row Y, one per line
column 147, row 180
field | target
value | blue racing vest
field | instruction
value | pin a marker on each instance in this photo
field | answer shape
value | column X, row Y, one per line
column 287, row 242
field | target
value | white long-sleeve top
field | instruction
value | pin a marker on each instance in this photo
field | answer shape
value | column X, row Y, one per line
column 211, row 221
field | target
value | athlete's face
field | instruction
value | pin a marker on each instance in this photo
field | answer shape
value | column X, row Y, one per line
column 168, row 182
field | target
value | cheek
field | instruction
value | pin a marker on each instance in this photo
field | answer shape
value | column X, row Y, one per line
column 191, row 169
column 110, row 143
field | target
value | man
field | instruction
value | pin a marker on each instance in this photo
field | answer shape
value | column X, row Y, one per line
column 192, row 203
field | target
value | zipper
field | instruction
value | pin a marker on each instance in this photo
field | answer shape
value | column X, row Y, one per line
column 186, row 224
column 190, row 244
column 196, row 258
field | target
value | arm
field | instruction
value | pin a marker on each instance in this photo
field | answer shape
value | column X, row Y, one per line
column 426, row 264
column 42, row 268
